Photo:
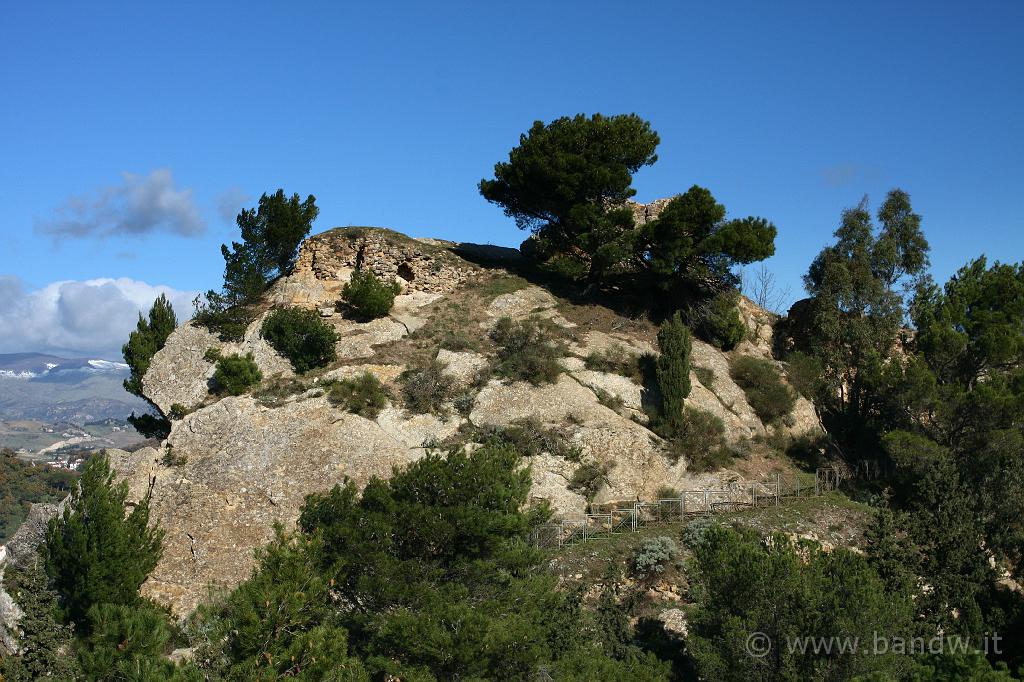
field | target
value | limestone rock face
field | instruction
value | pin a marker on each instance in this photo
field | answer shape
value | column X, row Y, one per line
column 178, row 372
column 247, row 467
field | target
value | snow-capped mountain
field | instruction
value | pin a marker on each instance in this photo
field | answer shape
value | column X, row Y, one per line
column 51, row 388
column 37, row 365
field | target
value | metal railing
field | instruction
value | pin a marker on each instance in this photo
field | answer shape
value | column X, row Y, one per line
column 631, row 517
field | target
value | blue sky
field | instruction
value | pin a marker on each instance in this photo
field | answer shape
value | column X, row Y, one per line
column 131, row 132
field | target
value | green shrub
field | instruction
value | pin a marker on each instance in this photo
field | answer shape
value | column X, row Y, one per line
column 673, row 372
column 615, row 360
column 236, row 373
column 364, row 395
column 125, row 640
column 212, row 354
column 609, row 400
column 427, row 389
column 301, row 336
column 588, row 479
column 228, row 324
column 717, row 320
column 760, row 381
column 653, row 556
column 276, row 391
column 527, row 350
column 178, row 411
column 368, row 297
column 173, row 458
column 700, row 441
column 530, row 438
column 696, row 531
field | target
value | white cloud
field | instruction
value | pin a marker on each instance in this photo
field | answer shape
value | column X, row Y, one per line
column 138, row 205
column 79, row 318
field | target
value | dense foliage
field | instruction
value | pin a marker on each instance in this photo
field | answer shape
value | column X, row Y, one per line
column 149, row 336
column 301, row 336
column 692, row 243
column 716, row 319
column 568, row 182
column 440, row 578
column 527, row 350
column 46, row 642
column 364, row 395
column 235, row 374
column 786, row 592
column 426, row 388
column 95, row 552
column 770, row 397
column 22, row 484
column 367, row 296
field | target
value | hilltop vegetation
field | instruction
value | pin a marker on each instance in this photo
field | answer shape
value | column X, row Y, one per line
column 421, row 414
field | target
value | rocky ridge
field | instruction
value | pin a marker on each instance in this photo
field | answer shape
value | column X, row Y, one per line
column 233, row 467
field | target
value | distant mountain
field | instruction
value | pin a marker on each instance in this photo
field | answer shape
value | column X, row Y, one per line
column 54, row 389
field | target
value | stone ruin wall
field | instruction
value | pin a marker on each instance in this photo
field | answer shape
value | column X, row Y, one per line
column 334, row 256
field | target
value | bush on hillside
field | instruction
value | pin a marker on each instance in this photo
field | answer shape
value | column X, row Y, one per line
column 427, row 389
column 530, row 438
column 236, row 373
column 760, row 381
column 368, row 297
column 588, row 479
column 364, row 395
column 616, row 360
column 700, row 440
column 229, row 324
column 527, row 350
column 653, row 556
column 301, row 336
column 717, row 320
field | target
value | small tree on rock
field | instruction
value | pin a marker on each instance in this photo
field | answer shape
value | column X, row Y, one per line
column 149, row 336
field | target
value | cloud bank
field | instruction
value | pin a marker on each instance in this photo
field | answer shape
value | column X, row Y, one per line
column 79, row 318
column 139, row 204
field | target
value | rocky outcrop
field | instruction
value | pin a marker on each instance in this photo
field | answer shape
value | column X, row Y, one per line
column 327, row 260
column 234, row 467
column 247, row 467
column 21, row 549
